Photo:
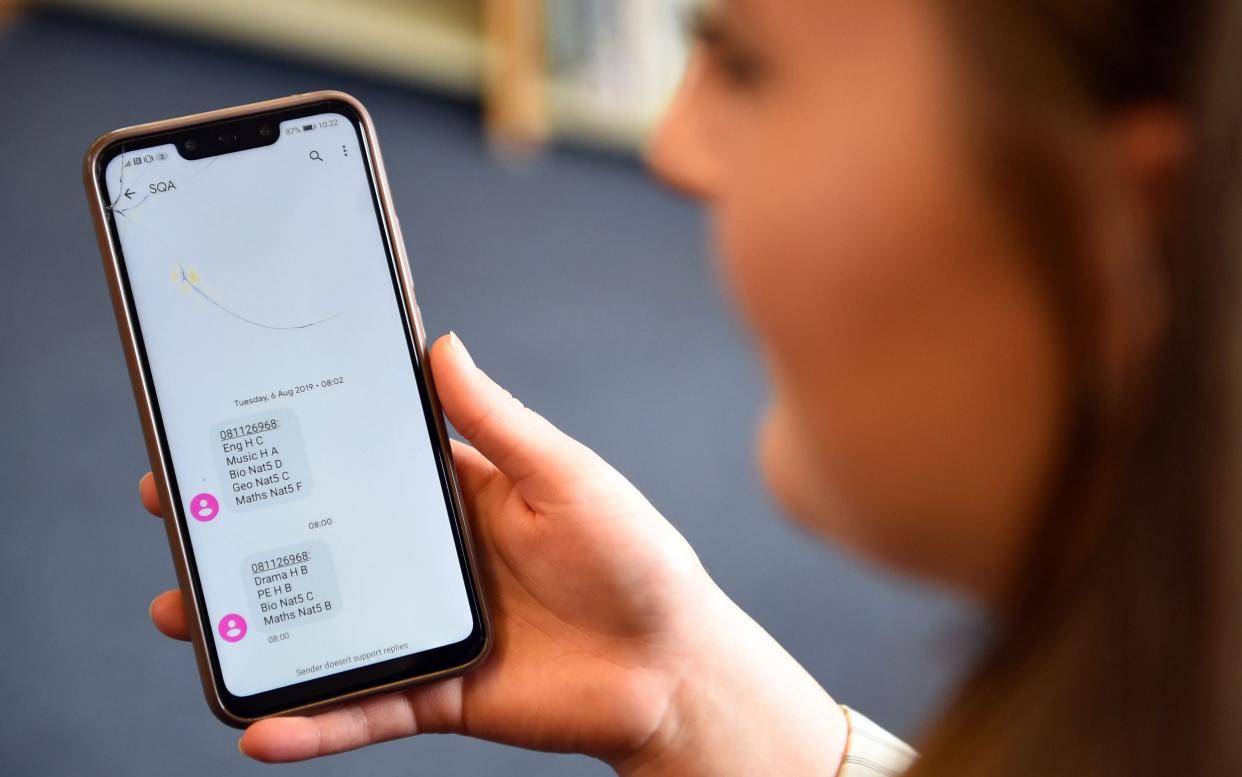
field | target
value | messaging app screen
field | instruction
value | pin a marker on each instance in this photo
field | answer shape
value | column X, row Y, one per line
column 290, row 404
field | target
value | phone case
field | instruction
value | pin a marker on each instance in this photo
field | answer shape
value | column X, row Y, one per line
column 173, row 517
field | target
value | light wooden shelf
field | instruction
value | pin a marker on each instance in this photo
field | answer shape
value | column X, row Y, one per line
column 431, row 42
column 496, row 50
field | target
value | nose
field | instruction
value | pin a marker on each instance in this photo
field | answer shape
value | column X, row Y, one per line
column 680, row 152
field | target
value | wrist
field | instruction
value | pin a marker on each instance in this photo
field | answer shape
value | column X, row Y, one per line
column 742, row 706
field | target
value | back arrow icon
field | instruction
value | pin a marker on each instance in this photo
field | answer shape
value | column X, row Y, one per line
column 128, row 194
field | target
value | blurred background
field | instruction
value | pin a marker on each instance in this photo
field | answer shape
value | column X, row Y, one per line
column 511, row 131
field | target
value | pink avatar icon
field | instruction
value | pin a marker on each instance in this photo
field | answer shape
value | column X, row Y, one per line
column 204, row 507
column 232, row 627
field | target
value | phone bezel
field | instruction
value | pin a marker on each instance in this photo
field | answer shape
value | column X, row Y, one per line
column 321, row 691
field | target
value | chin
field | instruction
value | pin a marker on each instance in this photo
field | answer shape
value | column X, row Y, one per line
column 803, row 487
column 790, row 475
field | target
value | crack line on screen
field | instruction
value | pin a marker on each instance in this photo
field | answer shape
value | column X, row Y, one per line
column 184, row 276
column 120, row 190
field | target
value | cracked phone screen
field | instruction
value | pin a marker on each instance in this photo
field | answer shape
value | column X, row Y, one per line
column 289, row 401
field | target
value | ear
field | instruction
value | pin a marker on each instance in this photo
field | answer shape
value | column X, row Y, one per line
column 1145, row 153
column 1150, row 147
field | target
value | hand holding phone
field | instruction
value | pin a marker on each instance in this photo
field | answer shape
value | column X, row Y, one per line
column 317, row 528
column 600, row 608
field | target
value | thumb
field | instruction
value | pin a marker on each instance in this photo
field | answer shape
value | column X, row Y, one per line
column 521, row 443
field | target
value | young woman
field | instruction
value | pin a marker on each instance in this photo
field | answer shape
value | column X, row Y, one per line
column 986, row 249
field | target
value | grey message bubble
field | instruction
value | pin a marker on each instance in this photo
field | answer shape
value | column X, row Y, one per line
column 292, row 586
column 261, row 460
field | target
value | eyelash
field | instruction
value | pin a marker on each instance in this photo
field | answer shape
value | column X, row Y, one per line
column 740, row 66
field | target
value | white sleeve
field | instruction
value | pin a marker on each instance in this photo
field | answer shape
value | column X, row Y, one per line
column 871, row 751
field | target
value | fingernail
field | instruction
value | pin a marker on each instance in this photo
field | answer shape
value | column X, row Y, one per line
column 460, row 347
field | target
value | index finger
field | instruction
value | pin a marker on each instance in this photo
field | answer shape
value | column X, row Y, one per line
column 146, row 492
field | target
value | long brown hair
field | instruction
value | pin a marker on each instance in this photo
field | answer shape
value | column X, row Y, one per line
column 1125, row 660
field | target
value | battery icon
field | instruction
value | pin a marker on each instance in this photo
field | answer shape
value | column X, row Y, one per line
column 307, row 127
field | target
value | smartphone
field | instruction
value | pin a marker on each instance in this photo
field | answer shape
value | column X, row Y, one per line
column 279, row 365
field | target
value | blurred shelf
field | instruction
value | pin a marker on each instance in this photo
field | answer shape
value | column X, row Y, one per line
column 429, row 42
column 590, row 71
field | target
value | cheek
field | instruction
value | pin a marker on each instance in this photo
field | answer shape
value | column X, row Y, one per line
column 914, row 363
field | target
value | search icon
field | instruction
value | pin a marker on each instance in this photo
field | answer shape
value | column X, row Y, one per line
column 315, row 155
